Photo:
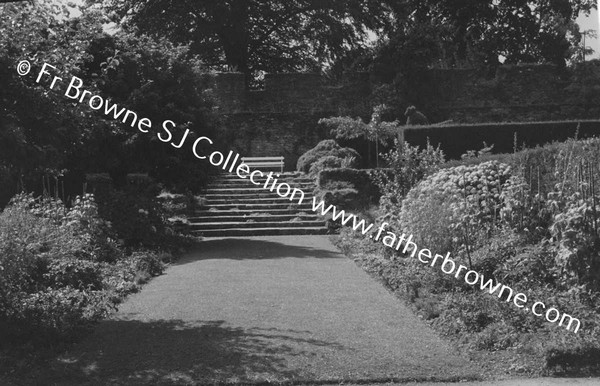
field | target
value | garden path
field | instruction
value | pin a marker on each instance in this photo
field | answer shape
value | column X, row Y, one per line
column 261, row 309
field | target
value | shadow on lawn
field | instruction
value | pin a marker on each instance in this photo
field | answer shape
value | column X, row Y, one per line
column 175, row 352
column 253, row 249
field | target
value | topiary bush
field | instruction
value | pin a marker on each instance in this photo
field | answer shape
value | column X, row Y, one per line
column 332, row 162
column 346, row 188
column 323, row 149
column 359, row 179
column 342, row 198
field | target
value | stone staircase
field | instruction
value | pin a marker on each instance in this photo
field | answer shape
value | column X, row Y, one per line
column 236, row 207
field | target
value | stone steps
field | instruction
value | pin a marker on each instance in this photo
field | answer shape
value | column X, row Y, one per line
column 251, row 223
column 251, row 190
column 228, row 232
column 284, row 175
column 252, row 195
column 250, row 199
column 282, row 218
column 249, row 212
column 232, row 206
column 262, row 181
column 261, row 206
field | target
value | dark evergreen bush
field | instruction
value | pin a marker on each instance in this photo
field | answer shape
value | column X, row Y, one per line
column 346, row 188
column 323, row 149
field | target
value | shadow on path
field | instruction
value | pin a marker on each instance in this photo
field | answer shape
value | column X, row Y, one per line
column 255, row 249
column 177, row 352
column 259, row 310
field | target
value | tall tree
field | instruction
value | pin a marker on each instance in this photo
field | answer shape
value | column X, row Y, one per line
column 258, row 35
column 482, row 31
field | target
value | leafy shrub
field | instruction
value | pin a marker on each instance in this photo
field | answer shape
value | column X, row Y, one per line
column 468, row 312
column 58, row 313
column 575, row 204
column 8, row 186
column 407, row 166
column 536, row 232
column 331, row 162
column 135, row 218
column 55, row 275
column 22, row 237
column 346, row 188
column 129, row 273
column 342, row 198
column 526, row 264
column 50, row 283
column 375, row 131
column 347, row 177
column 323, row 149
column 100, row 184
column 575, row 357
column 495, row 336
column 147, row 264
column 75, row 273
column 452, row 207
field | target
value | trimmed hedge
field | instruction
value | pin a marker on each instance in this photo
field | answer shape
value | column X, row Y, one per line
column 458, row 139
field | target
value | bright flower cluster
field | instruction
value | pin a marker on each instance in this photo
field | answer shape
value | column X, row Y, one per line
column 466, row 199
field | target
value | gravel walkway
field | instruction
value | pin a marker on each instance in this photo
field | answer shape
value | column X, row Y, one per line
column 257, row 310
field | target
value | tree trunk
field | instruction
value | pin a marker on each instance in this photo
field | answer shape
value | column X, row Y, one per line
column 234, row 35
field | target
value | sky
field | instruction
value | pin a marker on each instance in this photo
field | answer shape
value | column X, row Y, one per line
column 591, row 22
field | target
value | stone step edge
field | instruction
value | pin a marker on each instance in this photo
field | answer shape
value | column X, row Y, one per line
column 262, row 231
column 271, row 218
column 254, row 225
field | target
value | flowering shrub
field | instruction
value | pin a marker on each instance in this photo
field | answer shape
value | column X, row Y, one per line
column 49, row 281
column 530, row 222
column 408, row 165
column 60, row 270
column 452, row 207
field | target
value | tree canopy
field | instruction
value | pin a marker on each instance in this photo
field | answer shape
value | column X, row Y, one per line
column 44, row 133
column 478, row 33
column 258, row 35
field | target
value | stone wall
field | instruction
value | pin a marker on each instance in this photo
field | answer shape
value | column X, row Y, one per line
column 524, row 93
column 281, row 119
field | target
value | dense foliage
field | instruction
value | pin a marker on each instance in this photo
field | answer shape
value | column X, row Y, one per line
column 376, row 131
column 528, row 220
column 327, row 152
column 475, row 33
column 65, row 263
column 43, row 134
column 158, row 81
column 39, row 128
column 346, row 188
column 60, row 270
column 252, row 36
column 455, row 204
column 407, row 165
